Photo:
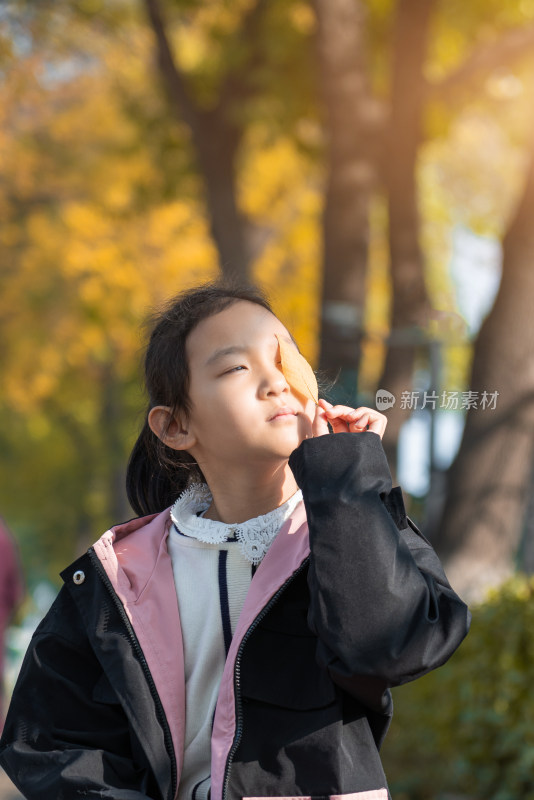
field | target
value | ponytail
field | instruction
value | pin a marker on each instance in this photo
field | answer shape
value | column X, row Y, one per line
column 156, row 474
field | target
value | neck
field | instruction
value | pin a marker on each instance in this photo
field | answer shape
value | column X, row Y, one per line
column 244, row 495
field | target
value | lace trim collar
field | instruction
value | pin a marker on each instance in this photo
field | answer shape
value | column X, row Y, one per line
column 254, row 535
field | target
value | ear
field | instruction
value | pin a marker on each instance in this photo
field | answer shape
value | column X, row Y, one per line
column 170, row 428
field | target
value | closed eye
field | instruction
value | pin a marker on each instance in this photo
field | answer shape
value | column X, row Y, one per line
column 240, row 367
column 234, row 369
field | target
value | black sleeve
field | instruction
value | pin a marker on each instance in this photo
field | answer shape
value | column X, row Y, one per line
column 66, row 735
column 381, row 606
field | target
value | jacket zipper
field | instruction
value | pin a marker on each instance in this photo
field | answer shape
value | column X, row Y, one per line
column 237, row 674
column 169, row 746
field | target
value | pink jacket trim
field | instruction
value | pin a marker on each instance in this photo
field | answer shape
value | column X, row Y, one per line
column 136, row 561
column 285, row 555
column 374, row 794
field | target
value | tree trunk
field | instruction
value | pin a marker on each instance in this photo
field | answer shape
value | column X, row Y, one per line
column 490, row 478
column 351, row 127
column 525, row 560
column 410, row 304
column 216, row 142
column 216, row 138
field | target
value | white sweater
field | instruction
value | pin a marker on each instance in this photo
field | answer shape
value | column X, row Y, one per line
column 213, row 564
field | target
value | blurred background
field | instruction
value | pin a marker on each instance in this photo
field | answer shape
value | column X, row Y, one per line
column 371, row 165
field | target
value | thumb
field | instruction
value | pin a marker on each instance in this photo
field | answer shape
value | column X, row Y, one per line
column 320, row 425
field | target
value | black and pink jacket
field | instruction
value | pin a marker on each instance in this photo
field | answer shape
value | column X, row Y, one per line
column 349, row 601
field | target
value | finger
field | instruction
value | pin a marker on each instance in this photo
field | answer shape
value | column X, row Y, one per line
column 378, row 425
column 339, row 425
column 340, row 417
column 370, row 420
column 320, row 425
column 355, row 420
column 333, row 412
column 359, row 419
column 336, row 415
column 346, row 413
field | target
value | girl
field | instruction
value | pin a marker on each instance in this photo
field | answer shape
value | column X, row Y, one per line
column 239, row 639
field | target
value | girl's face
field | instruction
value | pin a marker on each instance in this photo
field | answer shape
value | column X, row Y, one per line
column 242, row 408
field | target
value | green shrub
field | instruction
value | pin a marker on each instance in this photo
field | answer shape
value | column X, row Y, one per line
column 467, row 729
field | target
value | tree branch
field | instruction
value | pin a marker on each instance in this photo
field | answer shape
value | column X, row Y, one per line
column 512, row 45
column 236, row 84
column 171, row 74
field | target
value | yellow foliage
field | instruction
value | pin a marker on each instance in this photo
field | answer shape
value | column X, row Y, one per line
column 302, row 18
column 281, row 194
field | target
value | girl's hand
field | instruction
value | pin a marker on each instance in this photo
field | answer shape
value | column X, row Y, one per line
column 344, row 419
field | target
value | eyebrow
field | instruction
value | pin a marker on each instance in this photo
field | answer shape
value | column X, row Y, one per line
column 225, row 351
column 238, row 350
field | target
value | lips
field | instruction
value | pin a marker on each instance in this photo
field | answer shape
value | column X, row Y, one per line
column 285, row 411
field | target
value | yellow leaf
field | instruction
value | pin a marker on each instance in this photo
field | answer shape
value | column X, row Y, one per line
column 297, row 371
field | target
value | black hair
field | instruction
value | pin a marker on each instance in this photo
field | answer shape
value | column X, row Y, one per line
column 156, row 473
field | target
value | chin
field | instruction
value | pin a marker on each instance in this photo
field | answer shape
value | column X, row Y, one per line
column 285, row 449
column 278, row 451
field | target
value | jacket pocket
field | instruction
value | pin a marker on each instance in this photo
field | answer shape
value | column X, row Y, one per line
column 373, row 794
column 282, row 671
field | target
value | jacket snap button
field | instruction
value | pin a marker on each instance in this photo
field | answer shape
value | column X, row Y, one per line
column 78, row 577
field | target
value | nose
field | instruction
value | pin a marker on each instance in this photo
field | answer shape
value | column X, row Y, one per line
column 274, row 382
